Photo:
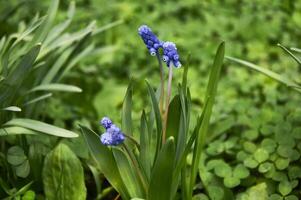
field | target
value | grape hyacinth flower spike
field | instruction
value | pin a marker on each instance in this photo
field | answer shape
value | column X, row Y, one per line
column 170, row 54
column 113, row 135
column 150, row 39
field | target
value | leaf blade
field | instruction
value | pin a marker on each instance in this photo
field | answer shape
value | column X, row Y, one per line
column 41, row 127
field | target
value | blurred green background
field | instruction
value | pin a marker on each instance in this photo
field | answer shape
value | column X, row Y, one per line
column 251, row 30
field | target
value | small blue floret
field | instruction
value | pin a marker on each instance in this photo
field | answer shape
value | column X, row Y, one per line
column 110, row 139
column 170, row 54
column 150, row 39
column 106, row 122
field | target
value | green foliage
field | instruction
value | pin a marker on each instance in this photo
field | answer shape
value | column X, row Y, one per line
column 63, row 175
column 33, row 61
column 251, row 111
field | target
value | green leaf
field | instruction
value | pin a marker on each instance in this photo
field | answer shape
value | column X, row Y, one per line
column 127, row 170
column 56, row 67
column 63, row 175
column 43, row 30
column 16, row 77
column 127, row 110
column 290, row 53
column 265, row 167
column 15, row 130
column 23, row 169
column 173, row 120
column 223, row 169
column 249, row 147
column 250, row 163
column 285, row 188
column 145, row 158
column 231, row 181
column 241, row 171
column 258, row 192
column 209, row 99
column 41, row 127
column 282, row 163
column 15, row 155
column 22, row 190
column 268, row 73
column 291, row 197
column 294, row 172
column 29, row 195
column 157, row 116
column 37, row 99
column 162, row 173
column 269, row 145
column 107, row 26
column 185, row 73
column 58, row 29
column 105, row 161
column 261, row 155
column 56, row 87
column 13, row 109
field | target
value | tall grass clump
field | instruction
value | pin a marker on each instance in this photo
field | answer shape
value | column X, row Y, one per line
column 33, row 63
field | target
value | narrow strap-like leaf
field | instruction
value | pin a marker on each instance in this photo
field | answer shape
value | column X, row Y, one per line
column 127, row 110
column 156, row 110
column 56, row 87
column 267, row 72
column 209, row 98
column 12, row 109
column 41, row 127
column 161, row 178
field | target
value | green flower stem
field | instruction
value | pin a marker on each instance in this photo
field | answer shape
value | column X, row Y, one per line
column 167, row 103
column 162, row 83
column 136, row 166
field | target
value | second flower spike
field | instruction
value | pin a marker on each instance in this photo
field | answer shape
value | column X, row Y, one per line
column 170, row 54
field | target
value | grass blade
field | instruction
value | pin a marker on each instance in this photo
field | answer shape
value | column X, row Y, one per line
column 16, row 130
column 156, row 110
column 41, row 127
column 46, row 25
column 290, row 53
column 267, row 72
column 108, row 26
column 173, row 119
column 145, row 156
column 127, row 110
column 56, row 87
column 209, row 99
column 12, row 109
column 161, row 178
column 128, row 177
column 39, row 98
column 16, row 77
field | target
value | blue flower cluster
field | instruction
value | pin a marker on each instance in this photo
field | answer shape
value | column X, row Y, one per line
column 150, row 39
column 153, row 44
column 113, row 135
column 170, row 54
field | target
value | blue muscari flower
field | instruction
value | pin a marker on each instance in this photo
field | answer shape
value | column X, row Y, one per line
column 170, row 54
column 113, row 135
column 106, row 122
column 112, row 139
column 150, row 39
